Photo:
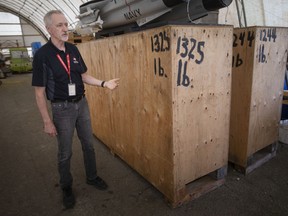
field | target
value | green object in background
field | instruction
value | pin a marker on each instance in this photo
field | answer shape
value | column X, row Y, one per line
column 20, row 61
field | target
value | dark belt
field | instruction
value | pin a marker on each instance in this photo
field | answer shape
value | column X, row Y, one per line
column 71, row 100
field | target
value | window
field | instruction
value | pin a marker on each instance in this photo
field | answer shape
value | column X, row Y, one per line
column 9, row 24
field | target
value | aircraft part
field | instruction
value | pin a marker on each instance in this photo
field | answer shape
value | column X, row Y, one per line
column 212, row 5
column 105, row 14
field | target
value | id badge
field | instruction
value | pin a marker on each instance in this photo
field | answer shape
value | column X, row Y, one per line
column 72, row 89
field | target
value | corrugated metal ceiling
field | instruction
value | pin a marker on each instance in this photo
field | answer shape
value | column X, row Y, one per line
column 33, row 11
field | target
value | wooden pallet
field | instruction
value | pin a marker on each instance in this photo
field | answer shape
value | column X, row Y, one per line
column 201, row 186
column 194, row 189
column 258, row 159
column 285, row 97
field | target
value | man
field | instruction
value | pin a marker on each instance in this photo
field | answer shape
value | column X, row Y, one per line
column 58, row 75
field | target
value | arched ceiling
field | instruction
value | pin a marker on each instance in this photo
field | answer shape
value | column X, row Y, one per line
column 33, row 11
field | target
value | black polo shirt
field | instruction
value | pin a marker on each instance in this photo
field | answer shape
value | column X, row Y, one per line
column 49, row 72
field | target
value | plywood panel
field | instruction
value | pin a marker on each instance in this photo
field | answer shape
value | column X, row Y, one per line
column 137, row 124
column 267, row 87
column 242, row 76
column 201, row 100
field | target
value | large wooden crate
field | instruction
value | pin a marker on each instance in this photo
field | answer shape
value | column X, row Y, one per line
column 259, row 60
column 76, row 39
column 169, row 118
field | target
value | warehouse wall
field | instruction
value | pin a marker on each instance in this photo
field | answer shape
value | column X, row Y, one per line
column 258, row 13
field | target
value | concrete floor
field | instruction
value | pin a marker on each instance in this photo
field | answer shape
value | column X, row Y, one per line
column 29, row 177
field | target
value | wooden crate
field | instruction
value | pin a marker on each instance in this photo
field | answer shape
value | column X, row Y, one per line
column 285, row 97
column 259, row 60
column 169, row 118
column 76, row 39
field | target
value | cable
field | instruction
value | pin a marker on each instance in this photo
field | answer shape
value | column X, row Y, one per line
column 188, row 11
column 226, row 15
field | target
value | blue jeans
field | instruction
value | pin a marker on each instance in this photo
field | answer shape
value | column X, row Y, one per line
column 66, row 117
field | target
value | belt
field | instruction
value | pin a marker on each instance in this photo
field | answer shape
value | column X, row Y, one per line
column 71, row 100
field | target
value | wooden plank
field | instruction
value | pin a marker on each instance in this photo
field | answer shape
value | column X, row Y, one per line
column 201, row 186
column 242, row 74
column 258, row 159
column 201, row 109
column 267, row 87
column 137, row 121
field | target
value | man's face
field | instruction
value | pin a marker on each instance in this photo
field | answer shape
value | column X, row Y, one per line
column 59, row 27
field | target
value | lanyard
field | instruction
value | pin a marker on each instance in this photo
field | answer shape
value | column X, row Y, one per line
column 67, row 69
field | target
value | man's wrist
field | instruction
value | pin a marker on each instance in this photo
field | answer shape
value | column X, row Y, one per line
column 47, row 121
column 102, row 84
